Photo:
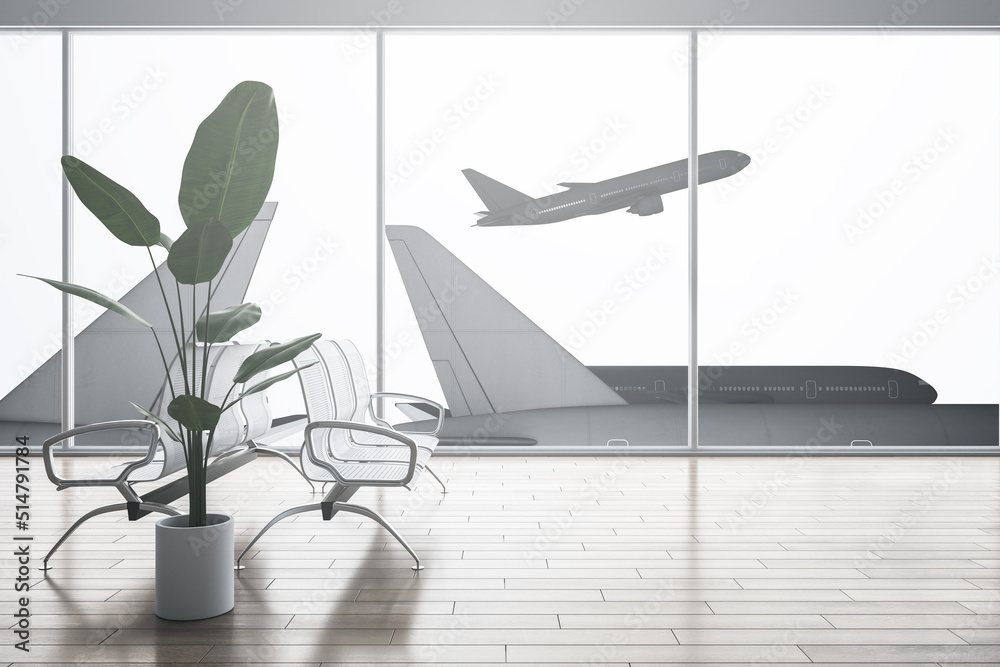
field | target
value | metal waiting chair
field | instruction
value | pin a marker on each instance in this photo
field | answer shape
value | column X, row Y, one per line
column 365, row 446
column 340, row 449
column 249, row 419
column 240, row 425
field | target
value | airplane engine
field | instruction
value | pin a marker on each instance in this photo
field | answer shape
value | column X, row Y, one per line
column 647, row 206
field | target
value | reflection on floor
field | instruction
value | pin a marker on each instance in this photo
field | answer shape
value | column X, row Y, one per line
column 562, row 560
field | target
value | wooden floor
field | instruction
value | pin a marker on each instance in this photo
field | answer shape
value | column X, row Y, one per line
column 556, row 561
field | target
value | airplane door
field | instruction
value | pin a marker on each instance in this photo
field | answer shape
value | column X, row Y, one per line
column 660, row 386
column 533, row 213
column 593, row 199
column 893, row 389
column 810, row 388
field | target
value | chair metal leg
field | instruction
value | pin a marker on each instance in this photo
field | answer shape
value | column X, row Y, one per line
column 107, row 509
column 444, row 489
column 280, row 517
column 375, row 516
column 274, row 452
column 339, row 493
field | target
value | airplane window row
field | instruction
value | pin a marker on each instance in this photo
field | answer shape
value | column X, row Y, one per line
column 749, row 388
column 640, row 185
column 554, row 208
column 676, row 177
column 855, row 388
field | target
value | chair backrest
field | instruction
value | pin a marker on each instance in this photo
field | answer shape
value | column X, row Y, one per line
column 359, row 377
column 327, row 387
column 248, row 419
column 251, row 417
column 330, row 392
column 315, row 384
column 173, row 451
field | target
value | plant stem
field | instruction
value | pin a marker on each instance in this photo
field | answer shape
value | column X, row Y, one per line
column 197, row 507
column 208, row 344
column 170, row 316
column 166, row 366
column 182, row 348
column 208, row 449
column 194, row 343
column 204, row 369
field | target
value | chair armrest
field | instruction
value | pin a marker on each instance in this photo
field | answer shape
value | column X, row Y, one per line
column 412, row 399
column 129, row 466
column 356, row 426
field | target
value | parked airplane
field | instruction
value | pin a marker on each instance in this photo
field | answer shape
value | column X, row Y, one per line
column 640, row 191
column 507, row 383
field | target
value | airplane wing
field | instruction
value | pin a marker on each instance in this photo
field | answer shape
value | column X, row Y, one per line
column 574, row 185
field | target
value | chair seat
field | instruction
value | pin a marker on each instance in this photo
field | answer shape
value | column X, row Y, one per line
column 146, row 473
column 365, row 440
column 369, row 468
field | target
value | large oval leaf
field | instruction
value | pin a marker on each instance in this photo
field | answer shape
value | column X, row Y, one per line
column 96, row 297
column 193, row 413
column 224, row 324
column 120, row 210
column 199, row 253
column 275, row 355
column 230, row 165
column 167, row 428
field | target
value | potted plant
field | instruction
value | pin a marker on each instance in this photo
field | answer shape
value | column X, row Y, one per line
column 225, row 179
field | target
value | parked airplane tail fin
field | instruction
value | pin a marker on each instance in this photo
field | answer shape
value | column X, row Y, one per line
column 488, row 356
column 99, row 397
column 494, row 194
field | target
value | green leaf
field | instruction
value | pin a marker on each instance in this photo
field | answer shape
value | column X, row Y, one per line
column 193, row 413
column 261, row 386
column 120, row 210
column 199, row 253
column 96, row 297
column 230, row 165
column 224, row 324
column 275, row 355
column 164, row 425
column 165, row 241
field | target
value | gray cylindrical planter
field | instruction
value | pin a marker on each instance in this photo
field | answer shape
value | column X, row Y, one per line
column 194, row 568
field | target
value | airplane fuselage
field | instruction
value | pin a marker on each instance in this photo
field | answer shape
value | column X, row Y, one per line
column 639, row 191
column 763, row 385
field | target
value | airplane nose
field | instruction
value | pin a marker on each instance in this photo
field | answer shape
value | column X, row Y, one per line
column 743, row 160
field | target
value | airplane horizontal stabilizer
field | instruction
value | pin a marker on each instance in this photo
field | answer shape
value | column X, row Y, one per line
column 494, row 194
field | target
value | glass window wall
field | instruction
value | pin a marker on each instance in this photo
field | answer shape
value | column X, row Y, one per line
column 847, row 274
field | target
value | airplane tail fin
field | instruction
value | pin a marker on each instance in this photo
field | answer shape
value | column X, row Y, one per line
column 494, row 194
column 488, row 356
column 100, row 398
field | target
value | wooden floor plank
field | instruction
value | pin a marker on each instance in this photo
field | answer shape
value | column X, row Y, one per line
column 559, row 561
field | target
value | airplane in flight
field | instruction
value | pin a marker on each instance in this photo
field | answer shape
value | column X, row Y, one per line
column 640, row 192
column 509, row 386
